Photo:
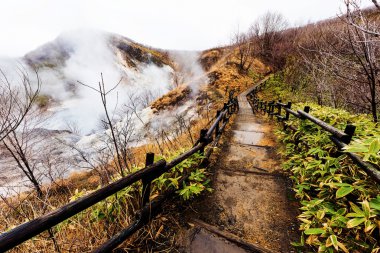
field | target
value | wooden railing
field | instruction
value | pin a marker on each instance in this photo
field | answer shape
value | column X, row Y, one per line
column 283, row 111
column 20, row 234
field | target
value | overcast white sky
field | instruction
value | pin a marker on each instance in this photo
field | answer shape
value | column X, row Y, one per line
column 171, row 24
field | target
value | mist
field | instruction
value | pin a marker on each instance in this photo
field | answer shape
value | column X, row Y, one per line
column 90, row 54
column 190, row 72
column 81, row 56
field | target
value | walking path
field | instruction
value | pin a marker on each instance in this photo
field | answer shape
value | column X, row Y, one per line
column 251, row 198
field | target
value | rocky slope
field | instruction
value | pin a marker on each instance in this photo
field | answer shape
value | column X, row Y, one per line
column 70, row 111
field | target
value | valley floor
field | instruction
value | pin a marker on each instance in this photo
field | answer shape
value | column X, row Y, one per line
column 252, row 204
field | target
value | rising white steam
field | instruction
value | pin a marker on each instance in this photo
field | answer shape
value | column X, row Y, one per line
column 86, row 55
column 190, row 72
column 82, row 56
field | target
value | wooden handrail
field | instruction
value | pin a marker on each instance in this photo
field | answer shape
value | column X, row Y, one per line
column 338, row 137
column 294, row 113
column 371, row 170
column 32, row 228
column 336, row 132
column 26, row 231
column 215, row 124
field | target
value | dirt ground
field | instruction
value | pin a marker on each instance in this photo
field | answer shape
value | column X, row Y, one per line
column 252, row 197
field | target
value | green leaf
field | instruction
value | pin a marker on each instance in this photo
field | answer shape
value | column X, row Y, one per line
column 374, row 147
column 356, row 209
column 174, row 182
column 356, row 149
column 343, row 191
column 366, row 208
column 341, row 184
column 320, row 214
column 375, row 203
column 366, row 157
column 314, row 231
column 357, row 215
column 334, row 241
column 341, row 211
column 355, row 222
column 341, row 245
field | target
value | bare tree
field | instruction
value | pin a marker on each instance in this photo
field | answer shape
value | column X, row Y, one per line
column 265, row 31
column 125, row 134
column 16, row 100
column 25, row 145
column 346, row 51
column 98, row 162
column 108, row 119
column 120, row 133
column 361, row 36
column 134, row 104
column 244, row 50
column 184, row 125
column 146, row 97
column 321, row 82
column 356, row 18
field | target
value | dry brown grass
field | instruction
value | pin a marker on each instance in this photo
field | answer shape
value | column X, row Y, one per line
column 210, row 57
column 84, row 232
column 134, row 53
column 224, row 75
column 173, row 98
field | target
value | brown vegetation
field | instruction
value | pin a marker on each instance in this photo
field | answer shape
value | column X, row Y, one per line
column 134, row 53
column 175, row 97
column 87, row 230
column 101, row 222
column 210, row 57
column 335, row 62
column 226, row 76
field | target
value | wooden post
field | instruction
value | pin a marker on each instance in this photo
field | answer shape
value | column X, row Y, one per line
column 279, row 108
column 225, row 117
column 305, row 109
column 350, row 130
column 202, row 138
column 217, row 125
column 271, row 109
column 289, row 106
column 149, row 160
column 264, row 106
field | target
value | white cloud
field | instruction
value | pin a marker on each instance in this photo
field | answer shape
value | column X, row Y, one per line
column 196, row 24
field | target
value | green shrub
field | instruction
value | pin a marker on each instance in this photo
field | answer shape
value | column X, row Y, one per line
column 196, row 183
column 340, row 203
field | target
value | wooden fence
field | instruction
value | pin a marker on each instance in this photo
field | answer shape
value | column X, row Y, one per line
column 20, row 234
column 283, row 111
